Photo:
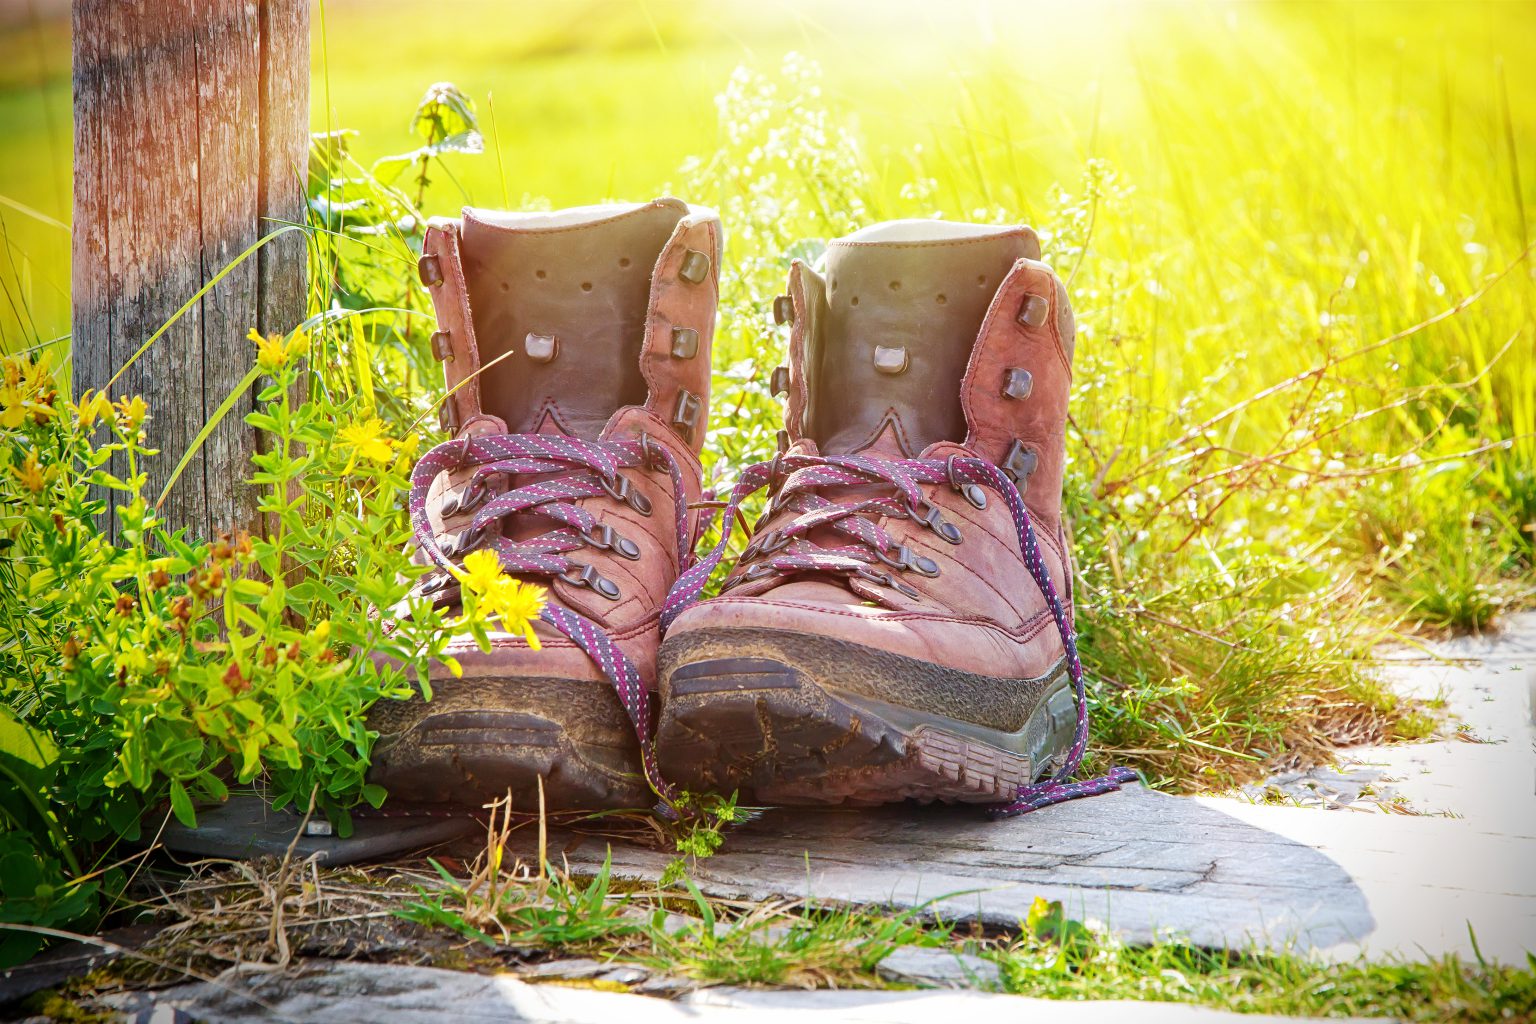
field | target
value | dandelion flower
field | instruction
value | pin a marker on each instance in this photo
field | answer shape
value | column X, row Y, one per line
column 517, row 605
column 13, row 410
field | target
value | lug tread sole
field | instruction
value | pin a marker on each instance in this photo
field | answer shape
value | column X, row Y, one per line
column 800, row 744
column 468, row 751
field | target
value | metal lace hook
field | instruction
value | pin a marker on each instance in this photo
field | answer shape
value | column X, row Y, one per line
column 653, row 455
column 463, row 453
column 970, row 490
column 579, row 575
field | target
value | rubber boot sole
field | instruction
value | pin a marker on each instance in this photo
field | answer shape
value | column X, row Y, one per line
column 788, row 718
column 478, row 739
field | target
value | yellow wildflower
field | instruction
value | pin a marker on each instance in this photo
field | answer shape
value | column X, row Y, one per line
column 132, row 410
column 13, row 408
column 93, row 405
column 481, row 571
column 516, row 604
column 30, row 475
column 368, row 440
column 16, row 390
column 26, row 389
column 408, row 446
column 274, row 351
column 269, row 350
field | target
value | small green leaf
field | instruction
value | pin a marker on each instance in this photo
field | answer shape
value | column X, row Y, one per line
column 181, row 804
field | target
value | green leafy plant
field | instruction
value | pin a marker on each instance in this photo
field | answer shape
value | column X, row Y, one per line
column 160, row 668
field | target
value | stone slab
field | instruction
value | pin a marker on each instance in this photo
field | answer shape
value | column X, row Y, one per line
column 344, row 993
column 923, row 967
column 245, row 828
column 1148, row 866
column 1142, row 863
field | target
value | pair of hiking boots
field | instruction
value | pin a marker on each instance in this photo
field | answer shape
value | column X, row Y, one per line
column 899, row 624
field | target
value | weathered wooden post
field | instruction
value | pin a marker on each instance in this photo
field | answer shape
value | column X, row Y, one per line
column 191, row 135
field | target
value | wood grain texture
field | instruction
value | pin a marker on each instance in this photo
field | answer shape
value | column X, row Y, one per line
column 191, row 121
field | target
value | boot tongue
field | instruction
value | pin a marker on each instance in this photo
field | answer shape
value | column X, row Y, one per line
column 566, row 294
column 905, row 302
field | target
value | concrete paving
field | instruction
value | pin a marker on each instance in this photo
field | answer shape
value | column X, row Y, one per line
column 346, row 993
column 1482, row 770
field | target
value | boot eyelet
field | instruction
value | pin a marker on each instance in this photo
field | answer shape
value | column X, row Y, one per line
column 751, row 574
column 695, row 266
column 604, row 538
column 541, row 348
column 463, row 542
column 1033, row 311
column 783, row 310
column 899, row 557
column 686, row 413
column 1019, row 464
column 652, row 454
column 466, row 499
column 430, row 269
column 579, row 575
column 1017, row 383
column 929, row 515
column 778, row 381
column 620, row 489
column 773, row 541
column 885, row 579
column 685, row 343
column 891, row 360
column 972, row 492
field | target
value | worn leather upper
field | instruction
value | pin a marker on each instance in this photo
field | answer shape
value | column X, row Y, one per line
column 920, row 302
column 983, row 613
column 612, row 285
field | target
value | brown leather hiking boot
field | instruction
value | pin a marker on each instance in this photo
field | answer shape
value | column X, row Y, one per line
column 581, row 339
column 893, row 629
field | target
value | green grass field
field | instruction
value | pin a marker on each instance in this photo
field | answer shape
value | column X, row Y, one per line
column 1295, row 234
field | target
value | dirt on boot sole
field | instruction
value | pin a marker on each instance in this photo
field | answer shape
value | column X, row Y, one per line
column 479, row 738
column 788, row 718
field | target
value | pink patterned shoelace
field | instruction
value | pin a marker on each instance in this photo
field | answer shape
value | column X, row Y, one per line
column 787, row 550
column 574, row 528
